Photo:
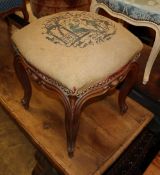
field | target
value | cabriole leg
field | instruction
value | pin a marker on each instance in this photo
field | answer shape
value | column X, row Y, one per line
column 24, row 80
column 25, row 14
column 126, row 87
column 72, row 116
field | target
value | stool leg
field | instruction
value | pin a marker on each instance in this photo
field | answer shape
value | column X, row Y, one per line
column 72, row 116
column 24, row 80
column 25, row 13
column 127, row 85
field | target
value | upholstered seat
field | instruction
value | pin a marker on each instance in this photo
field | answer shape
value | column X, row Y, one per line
column 89, row 53
column 78, row 54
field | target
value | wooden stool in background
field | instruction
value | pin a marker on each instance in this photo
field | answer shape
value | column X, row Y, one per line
column 47, row 7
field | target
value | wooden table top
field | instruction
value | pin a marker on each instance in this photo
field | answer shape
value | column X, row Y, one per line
column 103, row 135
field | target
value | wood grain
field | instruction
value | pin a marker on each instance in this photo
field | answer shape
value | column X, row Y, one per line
column 16, row 153
column 104, row 134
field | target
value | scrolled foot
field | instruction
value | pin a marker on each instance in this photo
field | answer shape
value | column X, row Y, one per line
column 25, row 103
column 23, row 79
column 126, row 87
column 72, row 116
column 123, row 109
column 70, row 153
column 70, row 148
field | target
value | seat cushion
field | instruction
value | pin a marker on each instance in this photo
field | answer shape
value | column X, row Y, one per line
column 76, row 48
column 6, row 5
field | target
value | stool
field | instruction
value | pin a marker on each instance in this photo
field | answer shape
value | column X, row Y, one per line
column 79, row 55
column 139, row 13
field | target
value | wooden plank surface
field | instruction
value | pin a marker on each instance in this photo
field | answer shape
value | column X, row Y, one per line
column 103, row 135
column 16, row 152
column 154, row 167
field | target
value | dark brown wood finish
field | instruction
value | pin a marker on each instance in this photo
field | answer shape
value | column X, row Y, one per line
column 45, row 7
column 73, row 103
column 25, row 82
column 130, row 80
column 25, row 12
column 103, row 134
column 71, row 2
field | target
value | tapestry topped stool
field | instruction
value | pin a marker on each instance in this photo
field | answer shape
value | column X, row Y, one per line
column 80, row 55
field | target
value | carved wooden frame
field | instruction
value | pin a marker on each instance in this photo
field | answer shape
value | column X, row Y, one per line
column 73, row 101
column 12, row 10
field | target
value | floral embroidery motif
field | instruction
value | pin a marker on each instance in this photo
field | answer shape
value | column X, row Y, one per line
column 146, row 10
column 78, row 29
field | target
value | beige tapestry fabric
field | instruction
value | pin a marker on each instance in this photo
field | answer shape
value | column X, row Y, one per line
column 76, row 48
